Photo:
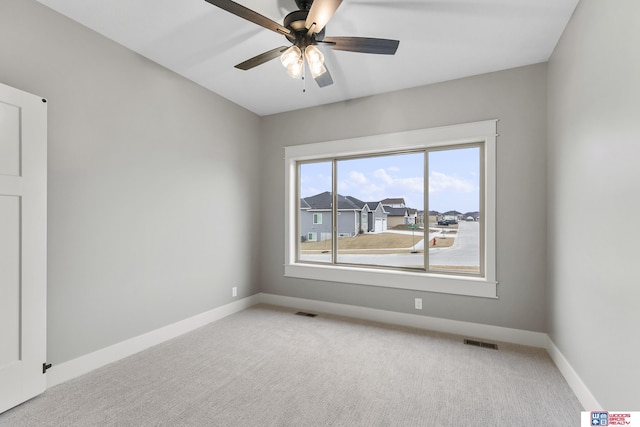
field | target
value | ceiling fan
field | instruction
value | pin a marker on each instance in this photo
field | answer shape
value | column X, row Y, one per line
column 305, row 29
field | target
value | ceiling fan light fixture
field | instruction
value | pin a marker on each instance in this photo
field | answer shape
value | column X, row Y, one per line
column 291, row 56
column 315, row 59
column 296, row 69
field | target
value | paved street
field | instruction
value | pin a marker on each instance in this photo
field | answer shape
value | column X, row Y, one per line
column 465, row 250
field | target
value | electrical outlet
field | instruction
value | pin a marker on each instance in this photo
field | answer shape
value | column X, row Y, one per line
column 234, row 291
column 418, row 303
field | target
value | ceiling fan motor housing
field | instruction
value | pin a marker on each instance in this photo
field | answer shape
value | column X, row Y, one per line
column 295, row 21
column 304, row 4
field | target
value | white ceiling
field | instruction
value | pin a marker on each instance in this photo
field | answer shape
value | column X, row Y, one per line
column 439, row 40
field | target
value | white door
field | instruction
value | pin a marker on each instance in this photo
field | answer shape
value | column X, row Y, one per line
column 23, row 245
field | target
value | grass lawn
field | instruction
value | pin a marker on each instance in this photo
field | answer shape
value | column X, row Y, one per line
column 380, row 243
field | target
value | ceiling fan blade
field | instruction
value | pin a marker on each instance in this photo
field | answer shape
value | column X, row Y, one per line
column 320, row 13
column 250, row 15
column 324, row 79
column 262, row 58
column 363, row 44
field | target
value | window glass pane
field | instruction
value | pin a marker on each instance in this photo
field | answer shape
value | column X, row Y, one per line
column 380, row 210
column 314, row 217
column 454, row 210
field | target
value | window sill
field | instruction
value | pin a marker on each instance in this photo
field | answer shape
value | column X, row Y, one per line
column 417, row 281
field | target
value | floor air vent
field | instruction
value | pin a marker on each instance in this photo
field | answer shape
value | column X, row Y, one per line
column 302, row 313
column 481, row 344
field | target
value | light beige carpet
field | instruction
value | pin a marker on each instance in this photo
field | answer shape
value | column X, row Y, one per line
column 266, row 366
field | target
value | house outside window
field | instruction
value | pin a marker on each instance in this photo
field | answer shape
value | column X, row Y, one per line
column 402, row 176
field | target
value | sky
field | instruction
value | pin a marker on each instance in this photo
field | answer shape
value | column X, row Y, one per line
column 453, row 179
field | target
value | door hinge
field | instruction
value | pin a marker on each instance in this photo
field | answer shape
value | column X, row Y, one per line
column 45, row 366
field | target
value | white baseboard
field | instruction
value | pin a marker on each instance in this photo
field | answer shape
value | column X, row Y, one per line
column 83, row 364
column 584, row 395
column 475, row 330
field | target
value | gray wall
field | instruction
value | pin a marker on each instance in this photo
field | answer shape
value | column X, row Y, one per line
column 145, row 169
column 518, row 98
column 594, row 198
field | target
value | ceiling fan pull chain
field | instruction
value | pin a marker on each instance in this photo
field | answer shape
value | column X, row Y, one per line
column 304, row 80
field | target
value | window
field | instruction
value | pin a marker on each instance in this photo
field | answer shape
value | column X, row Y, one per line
column 455, row 206
column 412, row 210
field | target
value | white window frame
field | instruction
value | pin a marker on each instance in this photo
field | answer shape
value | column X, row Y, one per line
column 479, row 132
column 317, row 215
column 314, row 234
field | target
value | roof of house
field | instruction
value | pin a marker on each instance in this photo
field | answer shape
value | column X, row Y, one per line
column 359, row 203
column 396, row 211
column 304, row 204
column 374, row 205
column 323, row 201
column 392, row 201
